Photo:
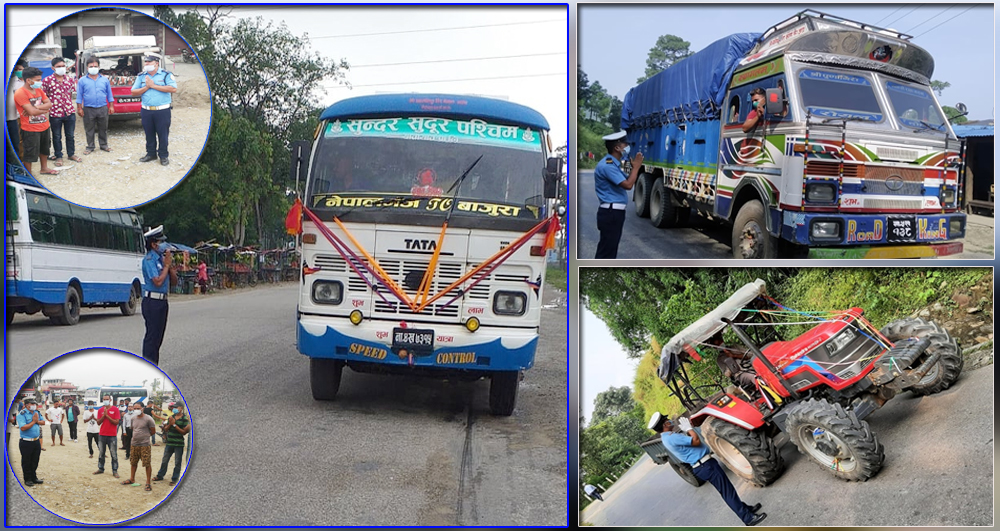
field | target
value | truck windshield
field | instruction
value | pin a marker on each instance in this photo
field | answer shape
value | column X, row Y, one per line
column 423, row 157
column 913, row 105
column 839, row 95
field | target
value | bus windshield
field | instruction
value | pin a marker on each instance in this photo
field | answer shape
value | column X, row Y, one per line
column 424, row 158
column 913, row 105
column 839, row 95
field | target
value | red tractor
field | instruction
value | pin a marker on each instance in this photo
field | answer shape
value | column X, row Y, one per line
column 817, row 387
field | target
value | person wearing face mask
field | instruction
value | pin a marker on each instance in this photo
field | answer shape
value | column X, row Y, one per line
column 94, row 102
column 72, row 417
column 612, row 184
column 93, row 430
column 29, row 421
column 158, row 275
column 13, row 125
column 108, row 417
column 33, row 106
column 174, row 430
column 59, row 87
column 142, row 428
column 756, row 115
column 126, row 424
column 155, row 88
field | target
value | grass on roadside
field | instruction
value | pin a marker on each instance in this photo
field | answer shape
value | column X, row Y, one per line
column 555, row 276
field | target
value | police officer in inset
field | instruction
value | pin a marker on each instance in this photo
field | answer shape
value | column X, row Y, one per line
column 687, row 445
column 611, row 184
column 156, row 268
column 29, row 421
column 155, row 87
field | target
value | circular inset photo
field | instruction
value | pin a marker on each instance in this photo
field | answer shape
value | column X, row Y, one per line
column 108, row 108
column 98, row 436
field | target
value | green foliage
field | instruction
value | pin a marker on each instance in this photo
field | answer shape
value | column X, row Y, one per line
column 611, row 403
column 556, row 277
column 608, row 445
column 665, row 53
column 953, row 115
column 939, row 86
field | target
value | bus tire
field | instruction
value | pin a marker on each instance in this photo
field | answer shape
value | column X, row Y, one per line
column 324, row 377
column 640, row 195
column 662, row 212
column 128, row 308
column 10, row 315
column 69, row 314
column 750, row 237
column 503, row 392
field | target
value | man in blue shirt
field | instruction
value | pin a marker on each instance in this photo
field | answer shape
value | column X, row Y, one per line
column 690, row 449
column 94, row 102
column 155, row 87
column 29, row 421
column 611, row 184
column 156, row 267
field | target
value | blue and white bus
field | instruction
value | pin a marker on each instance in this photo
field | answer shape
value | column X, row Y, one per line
column 61, row 257
column 425, row 223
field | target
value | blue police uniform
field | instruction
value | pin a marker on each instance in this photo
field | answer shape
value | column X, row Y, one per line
column 154, row 306
column 706, row 468
column 608, row 177
column 155, row 113
column 30, row 446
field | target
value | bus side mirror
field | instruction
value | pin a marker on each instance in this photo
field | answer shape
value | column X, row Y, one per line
column 300, row 161
column 774, row 101
column 553, row 172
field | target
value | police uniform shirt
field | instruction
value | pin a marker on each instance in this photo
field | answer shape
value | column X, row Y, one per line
column 607, row 177
column 152, row 266
column 23, row 419
column 153, row 97
column 680, row 445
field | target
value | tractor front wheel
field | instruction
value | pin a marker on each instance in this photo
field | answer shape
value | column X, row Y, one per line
column 948, row 366
column 835, row 439
column 751, row 455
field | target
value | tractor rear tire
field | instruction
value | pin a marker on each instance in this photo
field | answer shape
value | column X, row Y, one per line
column 815, row 424
column 686, row 473
column 751, row 455
column 949, row 365
column 643, row 187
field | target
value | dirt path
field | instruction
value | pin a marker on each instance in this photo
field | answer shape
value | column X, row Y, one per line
column 72, row 491
column 117, row 179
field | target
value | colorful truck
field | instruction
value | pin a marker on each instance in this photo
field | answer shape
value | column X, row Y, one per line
column 855, row 158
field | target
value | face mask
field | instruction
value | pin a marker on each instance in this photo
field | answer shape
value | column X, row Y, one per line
column 31, row 408
column 93, row 71
column 176, row 411
column 625, row 151
column 61, row 71
column 36, row 85
column 18, row 74
column 107, row 402
column 756, row 103
column 151, row 68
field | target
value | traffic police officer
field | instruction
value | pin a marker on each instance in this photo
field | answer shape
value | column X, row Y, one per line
column 690, row 449
column 156, row 267
column 155, row 87
column 611, row 184
column 29, row 421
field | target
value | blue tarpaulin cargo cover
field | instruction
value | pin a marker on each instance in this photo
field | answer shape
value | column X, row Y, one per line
column 694, row 87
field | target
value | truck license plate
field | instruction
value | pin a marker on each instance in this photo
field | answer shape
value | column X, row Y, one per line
column 901, row 229
column 127, row 100
column 412, row 340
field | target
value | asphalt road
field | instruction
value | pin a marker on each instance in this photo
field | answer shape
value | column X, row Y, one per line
column 938, row 472
column 704, row 238
column 389, row 451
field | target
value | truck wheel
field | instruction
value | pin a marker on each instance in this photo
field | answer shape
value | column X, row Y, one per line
column 686, row 473
column 750, row 236
column 503, row 392
column 751, row 455
column 69, row 313
column 128, row 308
column 661, row 207
column 324, row 377
column 643, row 186
column 10, row 315
column 949, row 365
column 835, row 439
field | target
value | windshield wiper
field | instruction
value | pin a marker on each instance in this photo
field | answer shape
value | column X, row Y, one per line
column 457, row 185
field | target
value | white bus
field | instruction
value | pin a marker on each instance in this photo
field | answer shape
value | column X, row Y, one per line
column 61, row 257
column 426, row 220
column 117, row 392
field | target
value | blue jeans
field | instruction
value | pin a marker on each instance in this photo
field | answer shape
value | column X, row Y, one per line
column 108, row 442
column 156, row 125
column 176, row 451
column 67, row 123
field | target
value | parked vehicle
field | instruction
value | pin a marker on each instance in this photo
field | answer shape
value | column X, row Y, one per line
column 121, row 60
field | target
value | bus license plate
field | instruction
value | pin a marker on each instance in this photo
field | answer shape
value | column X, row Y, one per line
column 901, row 229
column 412, row 339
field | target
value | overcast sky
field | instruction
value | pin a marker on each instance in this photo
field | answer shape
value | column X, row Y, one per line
column 426, row 39
column 963, row 47
column 97, row 367
column 602, row 362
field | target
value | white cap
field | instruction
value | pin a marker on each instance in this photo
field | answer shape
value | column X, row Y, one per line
column 657, row 418
column 155, row 234
column 614, row 136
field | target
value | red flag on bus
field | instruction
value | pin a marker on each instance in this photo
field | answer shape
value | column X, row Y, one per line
column 293, row 222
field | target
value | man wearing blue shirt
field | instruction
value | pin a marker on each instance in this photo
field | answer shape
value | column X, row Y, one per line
column 156, row 267
column 155, row 87
column 94, row 102
column 29, row 421
column 691, row 450
column 611, row 184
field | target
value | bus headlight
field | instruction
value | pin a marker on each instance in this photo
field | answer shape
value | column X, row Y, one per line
column 327, row 292
column 821, row 192
column 509, row 303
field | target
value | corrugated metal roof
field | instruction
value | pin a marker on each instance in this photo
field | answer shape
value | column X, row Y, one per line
column 963, row 131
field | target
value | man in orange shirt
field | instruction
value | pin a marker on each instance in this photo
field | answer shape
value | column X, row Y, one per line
column 33, row 106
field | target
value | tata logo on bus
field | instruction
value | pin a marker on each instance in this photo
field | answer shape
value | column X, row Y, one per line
column 874, row 235
column 924, row 232
column 421, row 245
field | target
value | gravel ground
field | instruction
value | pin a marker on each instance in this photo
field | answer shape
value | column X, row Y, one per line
column 117, row 179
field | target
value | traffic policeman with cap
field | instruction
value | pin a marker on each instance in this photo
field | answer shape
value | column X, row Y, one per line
column 688, row 446
column 28, row 421
column 156, row 268
column 611, row 184
column 155, row 87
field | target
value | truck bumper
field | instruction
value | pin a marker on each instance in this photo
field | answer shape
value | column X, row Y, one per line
column 875, row 235
column 888, row 251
